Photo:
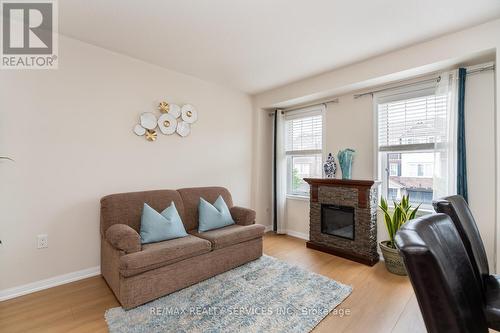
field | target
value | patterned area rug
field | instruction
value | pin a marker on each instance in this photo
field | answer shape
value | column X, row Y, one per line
column 265, row 295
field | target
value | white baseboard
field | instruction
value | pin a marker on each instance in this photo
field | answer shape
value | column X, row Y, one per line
column 268, row 228
column 292, row 233
column 48, row 283
column 297, row 234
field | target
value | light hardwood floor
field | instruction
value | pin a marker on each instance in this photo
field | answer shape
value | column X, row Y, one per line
column 380, row 301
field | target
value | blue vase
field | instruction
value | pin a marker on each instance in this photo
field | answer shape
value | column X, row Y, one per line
column 345, row 160
column 330, row 167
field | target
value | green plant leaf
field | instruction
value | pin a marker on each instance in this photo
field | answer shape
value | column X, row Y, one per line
column 388, row 224
column 387, row 217
column 396, row 220
column 413, row 213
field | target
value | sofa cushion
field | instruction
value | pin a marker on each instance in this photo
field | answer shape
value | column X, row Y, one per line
column 191, row 199
column 156, row 227
column 213, row 216
column 126, row 208
column 124, row 238
column 159, row 254
column 242, row 216
column 231, row 235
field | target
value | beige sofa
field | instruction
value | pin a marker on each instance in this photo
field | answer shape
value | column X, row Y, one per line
column 140, row 273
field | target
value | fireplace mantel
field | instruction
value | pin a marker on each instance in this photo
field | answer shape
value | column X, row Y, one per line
column 363, row 187
column 341, row 182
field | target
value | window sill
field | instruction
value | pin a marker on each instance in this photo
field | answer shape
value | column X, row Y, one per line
column 297, row 197
column 421, row 211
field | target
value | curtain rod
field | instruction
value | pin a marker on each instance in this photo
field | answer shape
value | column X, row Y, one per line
column 436, row 79
column 335, row 100
column 482, row 69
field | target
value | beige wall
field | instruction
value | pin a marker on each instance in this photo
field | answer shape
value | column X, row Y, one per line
column 420, row 59
column 70, row 132
column 480, row 139
column 261, row 166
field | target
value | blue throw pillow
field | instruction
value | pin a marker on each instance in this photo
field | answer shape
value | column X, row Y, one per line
column 156, row 227
column 213, row 216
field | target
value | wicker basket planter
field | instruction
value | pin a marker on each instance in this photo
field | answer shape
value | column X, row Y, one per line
column 393, row 261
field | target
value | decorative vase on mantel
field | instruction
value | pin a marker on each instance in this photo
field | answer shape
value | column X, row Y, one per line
column 345, row 160
column 330, row 167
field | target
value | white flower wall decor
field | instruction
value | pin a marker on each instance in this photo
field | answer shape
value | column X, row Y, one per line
column 172, row 119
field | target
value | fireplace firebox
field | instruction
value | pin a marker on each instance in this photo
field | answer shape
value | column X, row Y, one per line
column 337, row 221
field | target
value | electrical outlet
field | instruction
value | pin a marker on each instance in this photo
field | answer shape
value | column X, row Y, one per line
column 42, row 241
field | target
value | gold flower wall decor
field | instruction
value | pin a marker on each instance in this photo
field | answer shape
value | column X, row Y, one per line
column 163, row 107
column 173, row 119
column 151, row 135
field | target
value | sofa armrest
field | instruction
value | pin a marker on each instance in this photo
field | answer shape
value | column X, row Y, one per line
column 242, row 216
column 123, row 237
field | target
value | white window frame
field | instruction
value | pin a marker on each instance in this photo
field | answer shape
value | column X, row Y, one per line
column 297, row 114
column 381, row 164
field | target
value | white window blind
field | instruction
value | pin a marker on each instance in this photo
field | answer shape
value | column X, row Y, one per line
column 304, row 135
column 303, row 144
column 416, row 123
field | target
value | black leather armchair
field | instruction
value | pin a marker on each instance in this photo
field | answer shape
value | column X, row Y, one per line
column 455, row 207
column 442, row 275
column 458, row 210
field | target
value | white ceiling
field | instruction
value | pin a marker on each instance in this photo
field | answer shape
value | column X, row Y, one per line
column 255, row 45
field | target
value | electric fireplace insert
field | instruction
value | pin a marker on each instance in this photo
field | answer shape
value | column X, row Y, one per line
column 337, row 221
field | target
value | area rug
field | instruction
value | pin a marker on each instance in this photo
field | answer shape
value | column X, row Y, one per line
column 265, row 295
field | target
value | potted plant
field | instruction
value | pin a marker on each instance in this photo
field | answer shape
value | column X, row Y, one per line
column 402, row 213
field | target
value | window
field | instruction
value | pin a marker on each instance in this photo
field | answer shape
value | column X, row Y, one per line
column 393, row 194
column 303, row 148
column 411, row 127
column 394, row 169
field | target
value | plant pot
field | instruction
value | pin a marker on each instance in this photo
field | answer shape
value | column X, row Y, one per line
column 393, row 261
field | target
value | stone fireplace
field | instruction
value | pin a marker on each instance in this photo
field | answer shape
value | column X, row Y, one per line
column 343, row 218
